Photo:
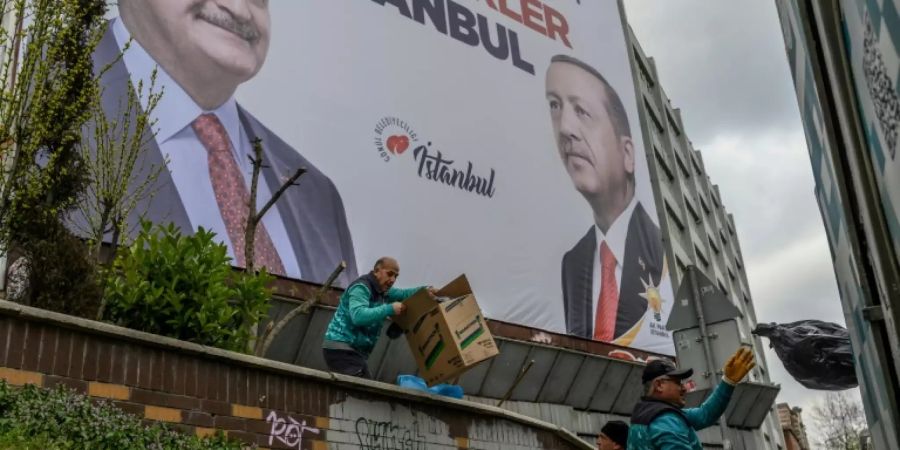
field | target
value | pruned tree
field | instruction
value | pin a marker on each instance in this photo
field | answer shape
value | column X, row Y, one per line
column 120, row 178
column 254, row 217
column 48, row 84
column 840, row 419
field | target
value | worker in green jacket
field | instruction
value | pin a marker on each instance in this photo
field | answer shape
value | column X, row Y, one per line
column 659, row 422
column 356, row 325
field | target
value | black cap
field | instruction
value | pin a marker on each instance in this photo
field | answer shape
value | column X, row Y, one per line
column 660, row 367
column 617, row 431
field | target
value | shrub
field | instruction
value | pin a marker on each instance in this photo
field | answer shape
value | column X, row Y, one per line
column 61, row 276
column 33, row 417
column 183, row 286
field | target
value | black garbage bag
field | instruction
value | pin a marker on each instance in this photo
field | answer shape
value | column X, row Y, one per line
column 815, row 353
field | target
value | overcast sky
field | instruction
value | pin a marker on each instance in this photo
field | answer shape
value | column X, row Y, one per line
column 724, row 65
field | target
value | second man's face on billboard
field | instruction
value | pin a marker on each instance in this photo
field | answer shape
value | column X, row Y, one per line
column 232, row 35
column 598, row 160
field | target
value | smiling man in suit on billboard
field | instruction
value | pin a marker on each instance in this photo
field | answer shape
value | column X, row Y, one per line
column 202, row 51
column 610, row 277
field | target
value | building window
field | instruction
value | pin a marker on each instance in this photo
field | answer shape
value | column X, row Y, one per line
column 712, row 244
column 652, row 114
column 691, row 210
column 672, row 124
column 644, row 71
column 696, row 165
column 662, row 163
column 701, row 257
column 684, row 170
column 674, row 216
column 704, row 204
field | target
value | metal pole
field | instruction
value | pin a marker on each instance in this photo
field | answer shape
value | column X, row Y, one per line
column 707, row 349
column 516, row 382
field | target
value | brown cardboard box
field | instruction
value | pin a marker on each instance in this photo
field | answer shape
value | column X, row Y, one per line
column 449, row 337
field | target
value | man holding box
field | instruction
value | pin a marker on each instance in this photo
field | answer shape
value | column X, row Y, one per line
column 356, row 325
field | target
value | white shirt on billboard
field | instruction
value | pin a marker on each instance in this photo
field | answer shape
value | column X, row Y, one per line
column 186, row 156
column 615, row 240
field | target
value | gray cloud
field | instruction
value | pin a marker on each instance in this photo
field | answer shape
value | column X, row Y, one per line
column 728, row 52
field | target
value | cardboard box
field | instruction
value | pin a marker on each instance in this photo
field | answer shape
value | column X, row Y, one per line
column 446, row 338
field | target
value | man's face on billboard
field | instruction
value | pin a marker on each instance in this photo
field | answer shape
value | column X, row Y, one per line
column 229, row 35
column 596, row 158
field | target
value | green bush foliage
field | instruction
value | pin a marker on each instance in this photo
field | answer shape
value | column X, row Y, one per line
column 48, row 84
column 33, row 417
column 183, row 286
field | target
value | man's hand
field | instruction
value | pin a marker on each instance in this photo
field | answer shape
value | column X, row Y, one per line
column 431, row 292
column 739, row 365
column 398, row 308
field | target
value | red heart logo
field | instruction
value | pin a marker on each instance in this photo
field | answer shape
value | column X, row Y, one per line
column 398, row 143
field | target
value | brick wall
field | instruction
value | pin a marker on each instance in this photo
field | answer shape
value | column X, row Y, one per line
column 199, row 389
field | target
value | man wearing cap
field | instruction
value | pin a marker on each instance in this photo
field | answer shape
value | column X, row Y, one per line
column 659, row 422
column 613, row 436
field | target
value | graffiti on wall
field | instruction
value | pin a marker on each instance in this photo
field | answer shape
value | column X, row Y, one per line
column 289, row 432
column 388, row 435
column 371, row 425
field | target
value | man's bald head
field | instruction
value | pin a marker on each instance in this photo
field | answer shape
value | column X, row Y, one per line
column 386, row 271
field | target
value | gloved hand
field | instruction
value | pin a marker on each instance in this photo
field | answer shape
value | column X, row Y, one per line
column 738, row 365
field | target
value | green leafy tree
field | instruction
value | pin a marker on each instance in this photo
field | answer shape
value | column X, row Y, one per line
column 113, row 148
column 183, row 286
column 48, row 84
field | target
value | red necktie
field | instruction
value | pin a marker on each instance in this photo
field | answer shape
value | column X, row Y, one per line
column 232, row 195
column 605, row 324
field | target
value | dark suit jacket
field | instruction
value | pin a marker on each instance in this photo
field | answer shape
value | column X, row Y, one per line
column 642, row 244
column 313, row 213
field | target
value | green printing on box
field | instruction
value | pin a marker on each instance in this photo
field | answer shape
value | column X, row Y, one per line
column 438, row 347
column 471, row 338
column 433, row 356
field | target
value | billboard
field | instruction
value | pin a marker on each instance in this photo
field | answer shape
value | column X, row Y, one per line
column 496, row 138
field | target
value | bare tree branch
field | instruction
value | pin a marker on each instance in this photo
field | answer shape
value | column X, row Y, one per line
column 272, row 332
column 840, row 419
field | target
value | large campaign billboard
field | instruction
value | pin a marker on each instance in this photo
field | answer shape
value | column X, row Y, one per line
column 496, row 138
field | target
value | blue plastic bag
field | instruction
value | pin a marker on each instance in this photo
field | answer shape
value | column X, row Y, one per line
column 414, row 382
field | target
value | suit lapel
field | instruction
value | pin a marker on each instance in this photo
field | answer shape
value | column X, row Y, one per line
column 578, row 282
column 642, row 264
column 274, row 172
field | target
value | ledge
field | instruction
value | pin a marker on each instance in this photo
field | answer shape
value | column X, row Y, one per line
column 12, row 309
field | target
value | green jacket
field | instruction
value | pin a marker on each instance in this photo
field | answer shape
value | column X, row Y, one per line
column 361, row 313
column 657, row 425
